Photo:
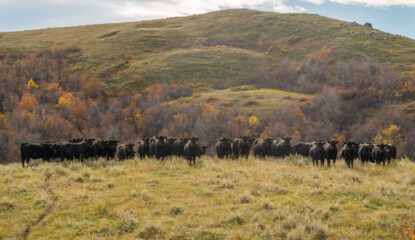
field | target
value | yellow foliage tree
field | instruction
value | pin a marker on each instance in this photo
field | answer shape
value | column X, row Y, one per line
column 66, row 99
column 253, row 120
column 390, row 135
column 28, row 115
column 31, row 84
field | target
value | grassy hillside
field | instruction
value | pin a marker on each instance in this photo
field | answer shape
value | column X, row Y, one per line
column 271, row 199
column 218, row 46
column 247, row 98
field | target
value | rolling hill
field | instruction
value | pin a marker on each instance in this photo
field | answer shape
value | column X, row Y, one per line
column 209, row 49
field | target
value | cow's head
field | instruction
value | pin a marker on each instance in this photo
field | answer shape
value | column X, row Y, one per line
column 194, row 139
column 333, row 143
column 268, row 140
column 89, row 141
column 245, row 139
column 161, row 138
column 203, row 149
column 287, row 139
column 319, row 143
column 349, row 143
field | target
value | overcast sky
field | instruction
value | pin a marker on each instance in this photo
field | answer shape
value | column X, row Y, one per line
column 394, row 16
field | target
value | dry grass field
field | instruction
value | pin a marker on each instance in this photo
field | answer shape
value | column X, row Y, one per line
column 216, row 199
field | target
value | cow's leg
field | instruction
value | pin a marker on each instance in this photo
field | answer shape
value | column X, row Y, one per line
column 23, row 160
column 328, row 162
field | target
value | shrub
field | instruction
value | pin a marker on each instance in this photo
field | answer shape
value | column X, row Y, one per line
column 246, row 198
column 127, row 224
column 177, row 210
column 151, row 231
column 6, row 204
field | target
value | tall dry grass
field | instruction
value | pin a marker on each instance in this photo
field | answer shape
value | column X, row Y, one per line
column 216, row 199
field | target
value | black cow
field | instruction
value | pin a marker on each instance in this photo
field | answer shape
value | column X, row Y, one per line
column 87, row 149
column 143, row 149
column 201, row 151
column 192, row 150
column 158, row 147
column 379, row 154
column 179, row 144
column 82, row 150
column 365, row 153
column 125, row 151
column 348, row 153
column 223, row 148
column 111, row 148
column 105, row 149
column 262, row 147
column 241, row 147
column 391, row 152
column 282, row 148
column 36, row 151
column 317, row 153
column 330, row 148
column 76, row 140
column 99, row 149
column 170, row 146
column 356, row 149
column 302, row 148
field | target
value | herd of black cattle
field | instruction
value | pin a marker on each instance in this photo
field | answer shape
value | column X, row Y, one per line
column 162, row 147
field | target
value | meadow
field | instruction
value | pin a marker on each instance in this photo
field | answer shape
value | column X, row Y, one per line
column 216, row 199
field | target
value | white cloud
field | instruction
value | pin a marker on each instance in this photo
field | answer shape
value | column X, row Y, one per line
column 369, row 3
column 30, row 14
column 168, row 8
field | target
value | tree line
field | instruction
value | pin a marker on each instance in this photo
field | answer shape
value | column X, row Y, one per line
column 46, row 97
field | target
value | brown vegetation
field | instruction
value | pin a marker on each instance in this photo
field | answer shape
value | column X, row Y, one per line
column 44, row 98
